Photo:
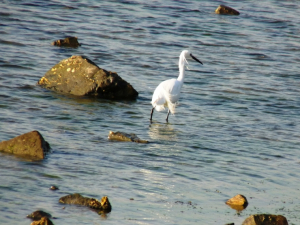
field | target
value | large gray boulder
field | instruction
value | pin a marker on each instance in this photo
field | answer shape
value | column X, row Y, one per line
column 31, row 144
column 79, row 76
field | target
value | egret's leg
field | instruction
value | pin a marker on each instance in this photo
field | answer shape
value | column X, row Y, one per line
column 151, row 113
column 168, row 115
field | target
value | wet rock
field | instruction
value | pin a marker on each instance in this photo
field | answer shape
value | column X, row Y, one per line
column 31, row 145
column 265, row 219
column 67, row 42
column 37, row 215
column 54, row 188
column 42, row 221
column 79, row 76
column 121, row 136
column 222, row 9
column 238, row 200
column 102, row 206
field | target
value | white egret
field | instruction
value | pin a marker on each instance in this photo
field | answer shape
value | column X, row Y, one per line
column 167, row 92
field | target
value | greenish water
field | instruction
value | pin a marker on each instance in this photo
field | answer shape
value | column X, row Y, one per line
column 235, row 131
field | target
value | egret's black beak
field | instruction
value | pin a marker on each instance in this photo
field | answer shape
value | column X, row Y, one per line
column 196, row 59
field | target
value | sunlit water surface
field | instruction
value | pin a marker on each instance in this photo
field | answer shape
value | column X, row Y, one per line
column 236, row 129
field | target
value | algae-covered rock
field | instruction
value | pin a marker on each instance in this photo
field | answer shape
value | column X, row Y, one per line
column 121, row 136
column 79, row 76
column 77, row 199
column 265, row 219
column 31, row 145
column 67, row 42
column 223, row 9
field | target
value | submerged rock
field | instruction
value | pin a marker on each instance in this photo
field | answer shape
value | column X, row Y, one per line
column 42, row 221
column 223, row 9
column 77, row 199
column 37, row 215
column 265, row 219
column 79, row 76
column 31, row 144
column 67, row 42
column 121, row 136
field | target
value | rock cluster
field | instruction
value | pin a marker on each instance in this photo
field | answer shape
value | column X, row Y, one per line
column 239, row 203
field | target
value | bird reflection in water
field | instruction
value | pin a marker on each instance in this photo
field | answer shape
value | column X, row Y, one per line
column 166, row 132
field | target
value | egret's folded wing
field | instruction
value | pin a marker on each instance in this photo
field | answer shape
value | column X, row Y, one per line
column 172, row 90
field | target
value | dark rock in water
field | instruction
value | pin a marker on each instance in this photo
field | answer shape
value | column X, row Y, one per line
column 121, row 136
column 53, row 188
column 67, row 42
column 238, row 202
column 37, row 215
column 77, row 199
column 79, row 76
column 31, row 145
column 42, row 221
column 265, row 219
column 223, row 9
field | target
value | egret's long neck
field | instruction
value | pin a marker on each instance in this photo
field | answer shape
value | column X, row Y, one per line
column 181, row 69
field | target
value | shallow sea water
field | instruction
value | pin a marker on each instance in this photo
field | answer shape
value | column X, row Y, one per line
column 236, row 128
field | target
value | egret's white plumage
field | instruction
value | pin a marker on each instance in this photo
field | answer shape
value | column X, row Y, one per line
column 167, row 92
